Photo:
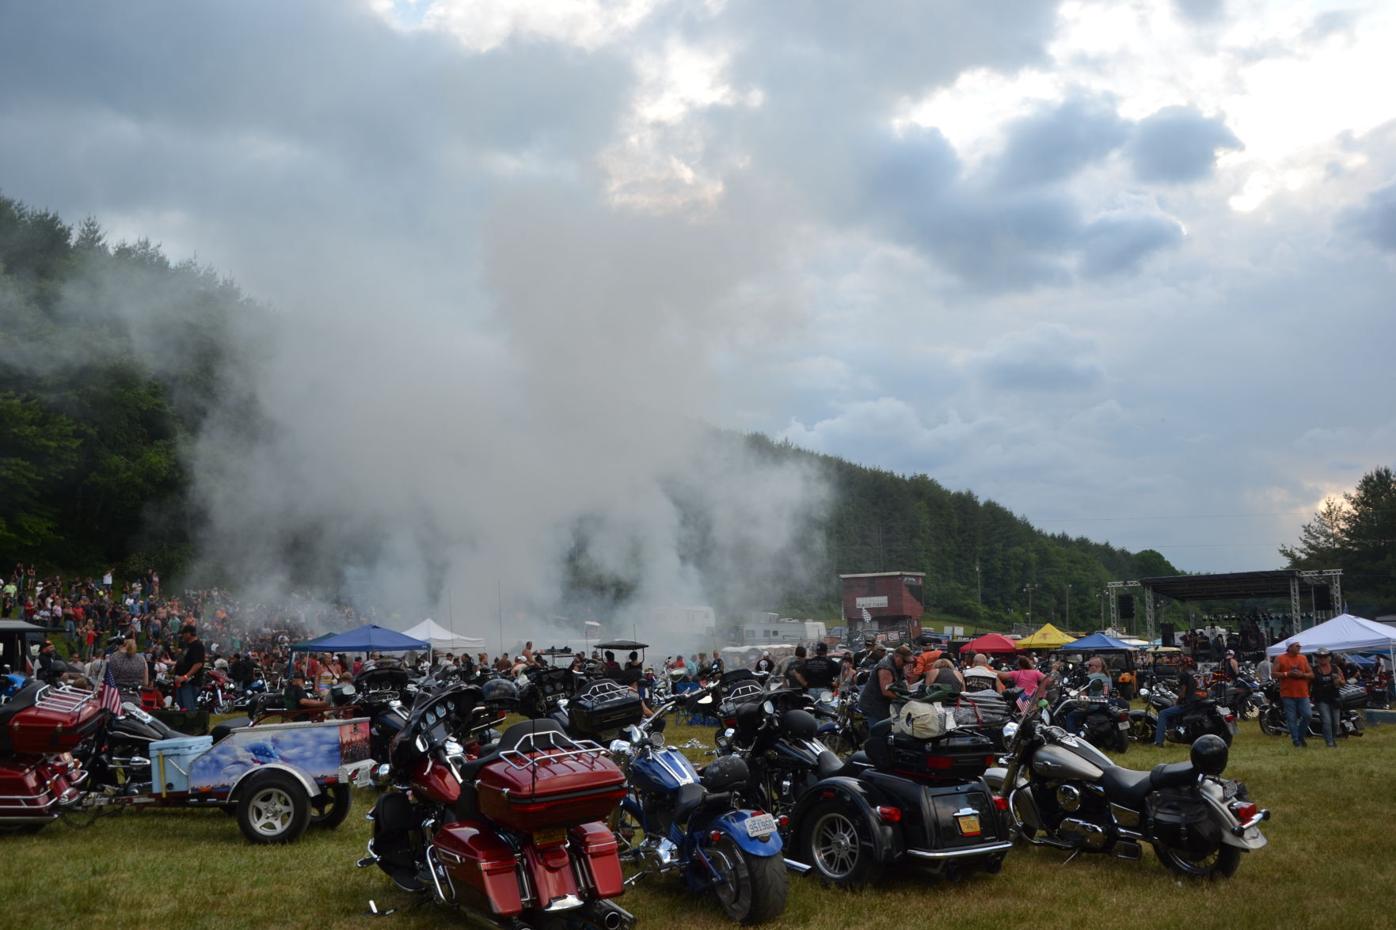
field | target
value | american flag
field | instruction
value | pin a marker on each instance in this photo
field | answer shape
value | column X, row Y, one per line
column 108, row 695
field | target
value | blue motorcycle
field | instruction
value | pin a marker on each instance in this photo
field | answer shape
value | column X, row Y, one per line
column 675, row 819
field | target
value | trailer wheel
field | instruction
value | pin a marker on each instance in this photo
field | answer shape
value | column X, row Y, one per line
column 331, row 807
column 273, row 809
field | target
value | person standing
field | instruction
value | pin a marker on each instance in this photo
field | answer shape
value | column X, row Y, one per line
column 189, row 670
column 1262, row 669
column 875, row 700
column 1328, row 678
column 128, row 667
column 1293, row 672
column 980, row 677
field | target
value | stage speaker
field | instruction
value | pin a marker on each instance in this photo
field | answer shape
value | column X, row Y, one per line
column 1127, row 607
column 1167, row 634
column 1323, row 597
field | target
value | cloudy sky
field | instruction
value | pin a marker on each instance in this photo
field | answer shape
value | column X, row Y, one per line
column 1125, row 267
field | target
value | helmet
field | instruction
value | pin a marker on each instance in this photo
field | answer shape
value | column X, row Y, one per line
column 499, row 692
column 799, row 724
column 1209, row 754
column 725, row 772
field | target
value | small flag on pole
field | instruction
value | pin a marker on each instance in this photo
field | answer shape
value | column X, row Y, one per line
column 109, row 696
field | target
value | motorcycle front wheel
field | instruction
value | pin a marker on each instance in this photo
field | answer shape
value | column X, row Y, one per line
column 1269, row 725
column 1142, row 729
column 751, row 889
column 1222, row 863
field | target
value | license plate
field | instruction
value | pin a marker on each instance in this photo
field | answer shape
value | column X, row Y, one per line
column 760, row 825
column 549, row 837
column 968, row 824
column 1123, row 724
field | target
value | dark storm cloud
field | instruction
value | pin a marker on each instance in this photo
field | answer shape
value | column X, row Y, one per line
column 1374, row 219
column 1178, row 144
column 1055, row 142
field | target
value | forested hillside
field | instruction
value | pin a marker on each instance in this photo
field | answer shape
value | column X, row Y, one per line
column 112, row 358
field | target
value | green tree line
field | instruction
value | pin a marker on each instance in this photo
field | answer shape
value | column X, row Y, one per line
column 1355, row 533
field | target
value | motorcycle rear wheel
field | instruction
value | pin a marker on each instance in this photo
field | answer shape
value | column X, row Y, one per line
column 1222, row 863
column 1268, row 725
column 834, row 844
column 1143, row 729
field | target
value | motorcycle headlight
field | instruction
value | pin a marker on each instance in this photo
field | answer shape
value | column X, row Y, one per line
column 1010, row 730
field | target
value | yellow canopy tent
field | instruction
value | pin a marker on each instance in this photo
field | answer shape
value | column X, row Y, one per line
column 1049, row 637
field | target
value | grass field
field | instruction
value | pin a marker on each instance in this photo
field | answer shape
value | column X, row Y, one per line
column 1330, row 863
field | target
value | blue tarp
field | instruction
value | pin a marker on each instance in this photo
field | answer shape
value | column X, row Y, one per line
column 367, row 638
column 1097, row 642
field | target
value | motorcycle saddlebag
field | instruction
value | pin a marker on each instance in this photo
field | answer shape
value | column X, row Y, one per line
column 1183, row 821
column 599, row 856
column 549, row 790
column 956, row 756
column 30, row 789
column 483, row 867
column 1351, row 697
column 603, row 708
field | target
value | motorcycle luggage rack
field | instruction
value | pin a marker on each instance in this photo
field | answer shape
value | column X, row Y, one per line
column 63, row 700
column 549, row 746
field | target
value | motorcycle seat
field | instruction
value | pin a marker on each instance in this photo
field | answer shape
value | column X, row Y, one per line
column 856, row 765
column 1173, row 775
column 690, row 798
column 1127, row 786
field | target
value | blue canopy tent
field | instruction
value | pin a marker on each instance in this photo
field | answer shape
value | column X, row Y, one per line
column 367, row 638
column 1097, row 642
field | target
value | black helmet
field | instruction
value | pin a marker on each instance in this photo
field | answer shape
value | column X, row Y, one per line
column 724, row 773
column 499, row 693
column 1209, row 754
column 799, row 724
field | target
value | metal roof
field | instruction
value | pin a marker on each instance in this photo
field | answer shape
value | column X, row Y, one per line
column 885, row 575
column 1230, row 586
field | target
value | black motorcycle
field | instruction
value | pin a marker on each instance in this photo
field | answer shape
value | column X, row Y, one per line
column 1106, row 723
column 899, row 799
column 1352, row 701
column 1199, row 718
column 1060, row 791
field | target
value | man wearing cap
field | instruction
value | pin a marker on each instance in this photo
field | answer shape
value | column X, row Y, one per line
column 875, row 700
column 189, row 669
column 1293, row 673
column 297, row 698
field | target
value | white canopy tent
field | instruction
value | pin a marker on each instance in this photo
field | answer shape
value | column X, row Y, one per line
column 442, row 639
column 1344, row 633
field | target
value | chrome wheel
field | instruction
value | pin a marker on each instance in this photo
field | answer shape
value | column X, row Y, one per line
column 835, row 845
column 270, row 812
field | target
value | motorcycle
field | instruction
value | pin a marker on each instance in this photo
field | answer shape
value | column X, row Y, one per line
column 1243, row 694
column 1198, row 719
column 1106, row 723
column 1351, row 713
column 515, row 834
column 1060, row 791
column 899, row 799
column 675, row 819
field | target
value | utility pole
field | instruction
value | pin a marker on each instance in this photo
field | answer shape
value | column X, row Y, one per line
column 978, row 585
column 1029, row 588
column 1068, row 606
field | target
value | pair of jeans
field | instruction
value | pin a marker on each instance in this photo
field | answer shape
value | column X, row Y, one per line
column 187, row 696
column 1165, row 719
column 1328, row 716
column 1297, row 713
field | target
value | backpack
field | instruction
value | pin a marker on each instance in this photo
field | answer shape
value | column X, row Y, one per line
column 920, row 720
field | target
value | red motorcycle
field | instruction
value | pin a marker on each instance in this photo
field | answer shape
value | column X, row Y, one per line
column 515, row 831
column 41, row 727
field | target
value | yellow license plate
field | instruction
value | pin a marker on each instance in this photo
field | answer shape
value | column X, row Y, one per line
column 549, row 837
column 968, row 824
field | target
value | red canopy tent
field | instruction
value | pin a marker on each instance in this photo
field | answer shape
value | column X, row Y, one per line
column 992, row 643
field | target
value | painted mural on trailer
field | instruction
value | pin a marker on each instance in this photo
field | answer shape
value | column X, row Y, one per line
column 318, row 751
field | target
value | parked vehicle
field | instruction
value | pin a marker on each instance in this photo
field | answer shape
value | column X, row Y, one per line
column 901, row 799
column 1107, row 720
column 1061, row 791
column 517, row 836
column 677, row 820
column 1351, row 714
column 1198, row 719
column 61, row 752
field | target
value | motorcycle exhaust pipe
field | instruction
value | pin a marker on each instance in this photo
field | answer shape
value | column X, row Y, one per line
column 611, row 916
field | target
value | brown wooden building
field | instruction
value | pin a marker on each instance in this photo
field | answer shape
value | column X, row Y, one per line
column 893, row 601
